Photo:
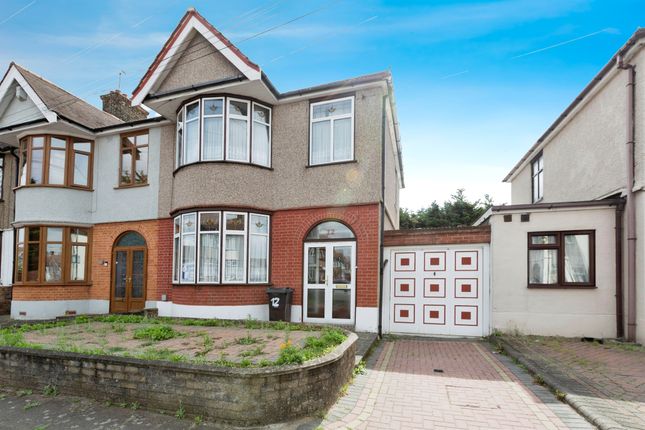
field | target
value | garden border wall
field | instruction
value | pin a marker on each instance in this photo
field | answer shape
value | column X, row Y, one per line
column 238, row 396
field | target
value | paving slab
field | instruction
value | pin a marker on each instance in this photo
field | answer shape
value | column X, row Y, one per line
column 604, row 382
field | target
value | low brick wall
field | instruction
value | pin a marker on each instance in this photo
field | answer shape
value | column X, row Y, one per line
column 5, row 300
column 242, row 397
column 438, row 236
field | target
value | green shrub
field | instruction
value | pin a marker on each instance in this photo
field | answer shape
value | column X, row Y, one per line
column 290, row 355
column 156, row 333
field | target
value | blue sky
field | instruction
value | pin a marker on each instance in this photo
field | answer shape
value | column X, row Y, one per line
column 472, row 94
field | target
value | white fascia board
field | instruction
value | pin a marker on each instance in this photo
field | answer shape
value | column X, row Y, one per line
column 14, row 75
column 194, row 24
column 331, row 92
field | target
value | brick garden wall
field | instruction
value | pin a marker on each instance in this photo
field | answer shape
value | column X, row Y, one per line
column 242, row 397
column 439, row 236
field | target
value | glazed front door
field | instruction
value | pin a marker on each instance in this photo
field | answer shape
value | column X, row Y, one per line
column 129, row 279
column 330, row 278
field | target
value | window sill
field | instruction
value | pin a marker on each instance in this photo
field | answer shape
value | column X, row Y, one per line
column 51, row 284
column 538, row 200
column 243, row 163
column 333, row 163
column 69, row 187
column 246, row 284
column 125, row 187
column 562, row 287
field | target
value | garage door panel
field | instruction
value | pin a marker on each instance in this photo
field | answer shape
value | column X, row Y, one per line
column 437, row 291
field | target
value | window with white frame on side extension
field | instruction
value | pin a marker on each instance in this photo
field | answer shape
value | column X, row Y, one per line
column 331, row 131
column 537, row 178
column 561, row 259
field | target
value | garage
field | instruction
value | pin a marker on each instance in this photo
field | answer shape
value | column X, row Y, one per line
column 437, row 289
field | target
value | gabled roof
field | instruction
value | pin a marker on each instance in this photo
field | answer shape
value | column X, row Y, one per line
column 638, row 34
column 50, row 98
column 192, row 20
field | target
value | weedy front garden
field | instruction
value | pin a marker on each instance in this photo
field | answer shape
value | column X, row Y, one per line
column 248, row 343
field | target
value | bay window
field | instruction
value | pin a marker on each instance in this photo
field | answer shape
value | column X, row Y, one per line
column 55, row 161
column 331, row 131
column 223, row 129
column 221, row 247
column 52, row 255
column 561, row 259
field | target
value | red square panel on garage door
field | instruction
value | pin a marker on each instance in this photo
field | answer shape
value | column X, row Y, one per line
column 466, row 288
column 404, row 313
column 434, row 261
column 404, row 287
column 434, row 314
column 434, row 288
column 466, row 315
column 404, row 262
column 466, row 260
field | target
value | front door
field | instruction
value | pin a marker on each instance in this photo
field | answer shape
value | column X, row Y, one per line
column 329, row 282
column 129, row 279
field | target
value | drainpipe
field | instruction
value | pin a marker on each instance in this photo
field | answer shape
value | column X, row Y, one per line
column 630, row 207
column 620, row 315
column 382, row 221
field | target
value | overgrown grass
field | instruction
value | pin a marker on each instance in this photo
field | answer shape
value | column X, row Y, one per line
column 159, row 329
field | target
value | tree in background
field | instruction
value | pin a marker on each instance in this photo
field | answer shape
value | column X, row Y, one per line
column 458, row 211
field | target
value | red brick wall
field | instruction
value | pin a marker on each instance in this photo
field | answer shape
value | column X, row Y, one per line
column 288, row 230
column 448, row 236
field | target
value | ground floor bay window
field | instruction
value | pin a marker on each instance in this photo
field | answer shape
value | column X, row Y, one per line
column 221, row 247
column 52, row 255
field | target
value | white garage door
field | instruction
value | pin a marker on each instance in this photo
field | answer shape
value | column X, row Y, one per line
column 438, row 291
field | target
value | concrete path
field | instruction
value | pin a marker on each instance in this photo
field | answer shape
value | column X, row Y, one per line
column 604, row 382
column 434, row 384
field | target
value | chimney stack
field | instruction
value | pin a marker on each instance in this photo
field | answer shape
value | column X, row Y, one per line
column 118, row 104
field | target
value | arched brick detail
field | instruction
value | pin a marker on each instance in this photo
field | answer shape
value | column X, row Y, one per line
column 287, row 247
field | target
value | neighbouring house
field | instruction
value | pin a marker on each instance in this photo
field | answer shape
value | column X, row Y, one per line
column 233, row 187
column 568, row 252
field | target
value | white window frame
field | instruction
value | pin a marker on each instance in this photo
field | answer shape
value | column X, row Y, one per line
column 226, row 233
column 181, row 247
column 331, row 120
column 176, row 252
column 253, row 121
column 248, row 118
column 185, row 127
column 179, row 152
column 268, row 247
column 537, row 172
column 202, row 119
column 199, row 246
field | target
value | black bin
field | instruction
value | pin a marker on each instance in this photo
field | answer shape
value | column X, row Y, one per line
column 280, row 304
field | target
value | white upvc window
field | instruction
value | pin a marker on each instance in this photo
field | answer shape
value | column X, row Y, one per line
column 179, row 150
column 191, row 133
column 331, row 131
column 213, row 129
column 208, row 253
column 258, row 248
column 238, row 130
column 537, row 178
column 234, row 247
column 188, row 248
column 261, row 143
column 176, row 249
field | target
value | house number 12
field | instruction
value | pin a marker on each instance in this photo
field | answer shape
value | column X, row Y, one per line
column 275, row 302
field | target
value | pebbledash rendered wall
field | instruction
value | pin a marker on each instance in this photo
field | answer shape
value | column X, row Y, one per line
column 288, row 231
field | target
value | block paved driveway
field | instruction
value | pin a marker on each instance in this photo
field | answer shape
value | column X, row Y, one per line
column 435, row 384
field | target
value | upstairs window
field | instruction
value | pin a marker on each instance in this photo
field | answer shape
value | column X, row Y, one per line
column 1, row 177
column 537, row 178
column 332, row 131
column 134, row 159
column 55, row 161
column 561, row 259
column 224, row 129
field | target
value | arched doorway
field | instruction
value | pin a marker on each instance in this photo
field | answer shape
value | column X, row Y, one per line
column 129, row 261
column 329, row 293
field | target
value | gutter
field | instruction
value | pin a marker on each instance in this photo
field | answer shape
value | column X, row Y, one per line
column 630, row 207
column 620, row 305
column 382, row 218
column 557, row 205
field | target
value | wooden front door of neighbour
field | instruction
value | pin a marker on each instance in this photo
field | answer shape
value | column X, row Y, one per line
column 129, row 261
